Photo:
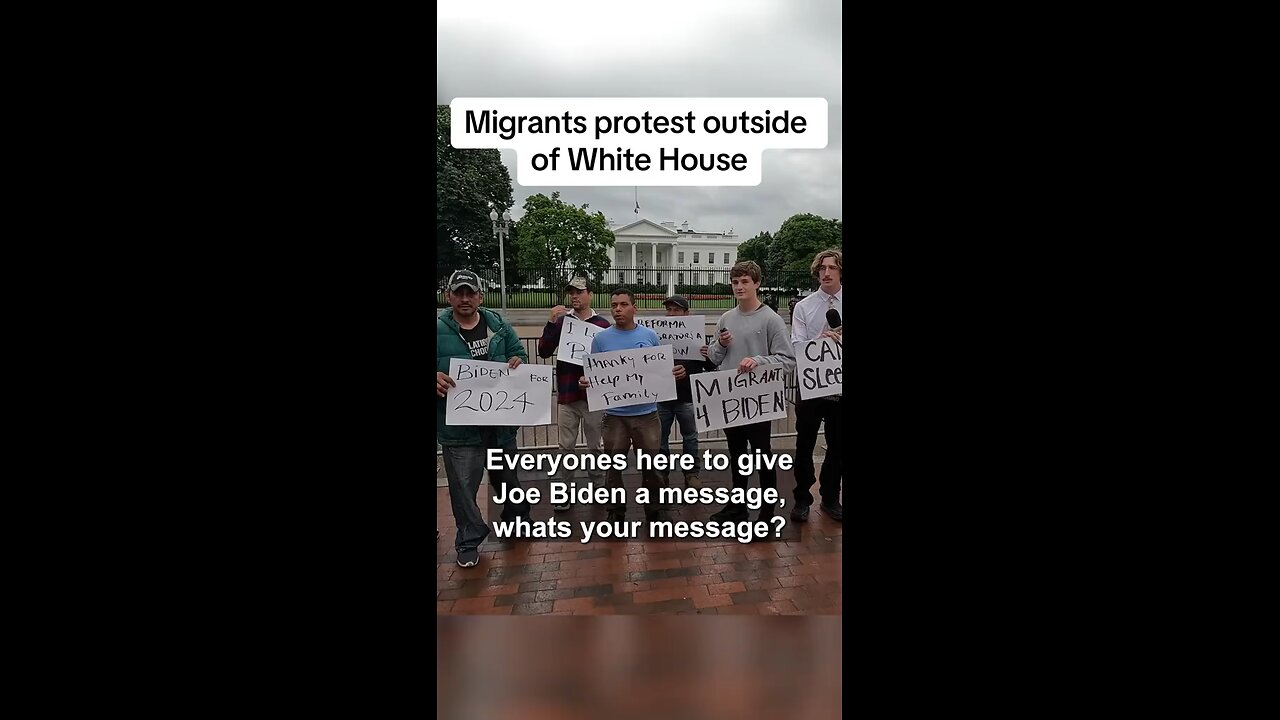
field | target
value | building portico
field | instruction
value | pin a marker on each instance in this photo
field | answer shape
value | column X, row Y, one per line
column 652, row 253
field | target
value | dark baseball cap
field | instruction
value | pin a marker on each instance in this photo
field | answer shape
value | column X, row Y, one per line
column 462, row 278
column 678, row 301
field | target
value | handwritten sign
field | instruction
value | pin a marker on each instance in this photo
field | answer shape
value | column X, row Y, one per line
column 729, row 398
column 575, row 339
column 629, row 377
column 490, row 393
column 685, row 333
column 819, row 369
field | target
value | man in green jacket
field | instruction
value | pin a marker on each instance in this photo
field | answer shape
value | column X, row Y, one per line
column 469, row 332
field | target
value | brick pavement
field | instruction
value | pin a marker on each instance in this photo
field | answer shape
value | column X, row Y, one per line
column 798, row 574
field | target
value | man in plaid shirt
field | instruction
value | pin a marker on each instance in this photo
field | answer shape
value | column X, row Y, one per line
column 572, row 399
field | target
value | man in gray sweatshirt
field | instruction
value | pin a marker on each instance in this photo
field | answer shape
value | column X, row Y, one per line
column 749, row 335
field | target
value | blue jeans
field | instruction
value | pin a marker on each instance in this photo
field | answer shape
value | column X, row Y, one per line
column 675, row 410
column 465, row 467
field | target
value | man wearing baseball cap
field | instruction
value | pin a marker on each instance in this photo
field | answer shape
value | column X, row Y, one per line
column 469, row 332
column 574, row 416
column 681, row 409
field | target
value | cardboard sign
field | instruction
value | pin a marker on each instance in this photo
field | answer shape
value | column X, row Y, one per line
column 620, row 378
column 818, row 368
column 686, row 334
column 490, row 393
column 575, row 339
column 729, row 398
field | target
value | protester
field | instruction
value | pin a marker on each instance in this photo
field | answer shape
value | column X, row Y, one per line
column 809, row 322
column 749, row 335
column 470, row 332
column 680, row 410
column 574, row 416
column 630, row 426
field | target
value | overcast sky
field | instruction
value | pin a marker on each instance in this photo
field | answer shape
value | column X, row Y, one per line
column 661, row 48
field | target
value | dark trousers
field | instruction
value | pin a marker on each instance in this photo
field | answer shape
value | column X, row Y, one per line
column 620, row 433
column 757, row 435
column 809, row 415
column 465, row 466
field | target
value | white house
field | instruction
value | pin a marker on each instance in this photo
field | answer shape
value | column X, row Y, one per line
column 664, row 254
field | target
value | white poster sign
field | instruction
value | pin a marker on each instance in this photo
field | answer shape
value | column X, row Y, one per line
column 490, row 393
column 729, row 398
column 575, row 339
column 686, row 334
column 629, row 377
column 818, row 368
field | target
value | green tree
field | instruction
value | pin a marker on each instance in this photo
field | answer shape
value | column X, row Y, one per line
column 757, row 248
column 469, row 183
column 556, row 240
column 802, row 237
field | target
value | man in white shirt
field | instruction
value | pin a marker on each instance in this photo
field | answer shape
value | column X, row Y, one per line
column 809, row 322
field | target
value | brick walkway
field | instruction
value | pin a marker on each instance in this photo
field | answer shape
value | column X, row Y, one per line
column 798, row 574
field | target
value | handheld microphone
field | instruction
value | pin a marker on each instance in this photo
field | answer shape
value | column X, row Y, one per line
column 833, row 318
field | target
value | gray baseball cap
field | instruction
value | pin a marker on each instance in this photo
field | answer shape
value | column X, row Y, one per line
column 463, row 278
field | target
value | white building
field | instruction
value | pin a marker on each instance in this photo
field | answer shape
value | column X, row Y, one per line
column 663, row 254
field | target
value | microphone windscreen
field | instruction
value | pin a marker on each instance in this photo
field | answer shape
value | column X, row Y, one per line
column 833, row 318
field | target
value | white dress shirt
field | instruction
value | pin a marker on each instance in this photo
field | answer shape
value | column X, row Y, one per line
column 809, row 319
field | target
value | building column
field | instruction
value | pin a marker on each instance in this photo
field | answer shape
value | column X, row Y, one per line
column 633, row 258
column 671, row 272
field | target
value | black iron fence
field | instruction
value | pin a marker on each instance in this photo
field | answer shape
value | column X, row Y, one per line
column 706, row 288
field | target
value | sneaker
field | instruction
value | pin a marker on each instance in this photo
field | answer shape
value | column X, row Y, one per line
column 833, row 511
column 616, row 516
column 468, row 558
column 562, row 507
column 800, row 513
column 692, row 481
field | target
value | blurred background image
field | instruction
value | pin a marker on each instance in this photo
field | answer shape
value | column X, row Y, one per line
column 674, row 668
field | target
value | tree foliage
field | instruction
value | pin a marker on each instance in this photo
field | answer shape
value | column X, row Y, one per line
column 562, row 239
column 757, row 248
column 469, row 183
column 802, row 237
column 792, row 249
